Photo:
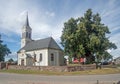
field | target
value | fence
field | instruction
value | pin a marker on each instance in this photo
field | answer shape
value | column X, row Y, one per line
column 54, row 68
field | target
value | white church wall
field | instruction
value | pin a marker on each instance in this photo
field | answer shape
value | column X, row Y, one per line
column 46, row 57
column 44, row 61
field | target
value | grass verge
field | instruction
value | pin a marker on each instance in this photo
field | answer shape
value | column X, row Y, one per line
column 88, row 72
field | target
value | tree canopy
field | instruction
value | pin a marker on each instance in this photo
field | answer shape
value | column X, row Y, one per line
column 86, row 37
column 3, row 50
column 10, row 60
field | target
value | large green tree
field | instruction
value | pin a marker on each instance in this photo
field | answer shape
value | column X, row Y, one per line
column 86, row 37
column 3, row 50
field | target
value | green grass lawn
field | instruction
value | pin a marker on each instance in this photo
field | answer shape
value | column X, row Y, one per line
column 89, row 72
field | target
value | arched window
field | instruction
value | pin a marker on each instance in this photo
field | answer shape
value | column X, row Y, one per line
column 52, row 57
column 35, row 58
column 40, row 59
column 29, row 35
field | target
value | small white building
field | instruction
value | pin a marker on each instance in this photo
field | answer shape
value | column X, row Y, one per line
column 43, row 52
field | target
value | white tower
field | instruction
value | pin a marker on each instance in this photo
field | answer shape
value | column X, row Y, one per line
column 26, row 33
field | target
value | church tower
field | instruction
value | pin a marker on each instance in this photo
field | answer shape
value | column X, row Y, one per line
column 26, row 33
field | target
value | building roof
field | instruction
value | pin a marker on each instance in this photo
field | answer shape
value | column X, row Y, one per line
column 41, row 44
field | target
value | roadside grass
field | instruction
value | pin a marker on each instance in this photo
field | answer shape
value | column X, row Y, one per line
column 87, row 72
column 118, row 65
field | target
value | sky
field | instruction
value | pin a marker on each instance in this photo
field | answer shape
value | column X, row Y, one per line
column 47, row 17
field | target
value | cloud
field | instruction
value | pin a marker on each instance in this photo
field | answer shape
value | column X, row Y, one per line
column 8, row 39
column 109, row 50
column 12, row 20
column 115, row 39
column 8, row 18
column 22, row 16
column 52, row 14
column 114, row 28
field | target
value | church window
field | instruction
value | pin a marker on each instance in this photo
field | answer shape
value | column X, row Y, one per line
column 29, row 35
column 35, row 58
column 52, row 57
column 40, row 57
column 26, row 34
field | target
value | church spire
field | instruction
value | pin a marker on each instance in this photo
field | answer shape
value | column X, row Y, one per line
column 26, row 32
column 27, row 21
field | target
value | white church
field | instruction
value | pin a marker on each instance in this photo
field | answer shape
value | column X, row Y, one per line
column 43, row 52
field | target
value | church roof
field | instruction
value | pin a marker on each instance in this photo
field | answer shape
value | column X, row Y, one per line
column 41, row 44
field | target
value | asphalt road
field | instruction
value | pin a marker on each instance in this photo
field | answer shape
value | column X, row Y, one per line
column 8, row 78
